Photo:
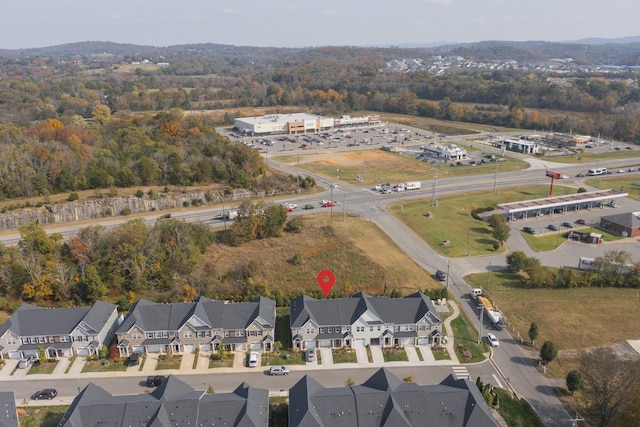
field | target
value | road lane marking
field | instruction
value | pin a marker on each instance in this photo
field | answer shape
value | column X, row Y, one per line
column 498, row 383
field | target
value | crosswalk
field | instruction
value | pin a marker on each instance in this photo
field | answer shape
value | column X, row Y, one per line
column 460, row 372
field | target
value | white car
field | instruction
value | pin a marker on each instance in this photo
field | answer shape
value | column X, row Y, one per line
column 493, row 340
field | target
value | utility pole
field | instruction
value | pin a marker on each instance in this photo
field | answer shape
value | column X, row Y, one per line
column 488, row 276
column 495, row 178
column 331, row 204
column 298, row 174
column 481, row 308
column 224, row 215
column 448, row 268
column 434, row 200
column 344, row 207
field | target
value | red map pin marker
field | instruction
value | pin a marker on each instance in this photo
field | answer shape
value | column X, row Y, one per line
column 326, row 279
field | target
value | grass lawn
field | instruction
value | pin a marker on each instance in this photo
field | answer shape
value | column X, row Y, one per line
column 41, row 416
column 451, row 220
column 344, row 356
column 465, row 341
column 592, row 157
column 42, row 367
column 99, row 366
column 572, row 318
column 621, row 182
column 222, row 362
column 284, row 358
column 392, row 354
column 169, row 362
column 516, row 412
column 545, row 242
column 440, row 353
column 375, row 166
column 369, row 355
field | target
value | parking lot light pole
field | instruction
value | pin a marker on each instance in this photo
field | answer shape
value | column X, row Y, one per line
column 448, row 267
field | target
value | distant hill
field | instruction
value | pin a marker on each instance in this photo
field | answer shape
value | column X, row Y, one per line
column 618, row 51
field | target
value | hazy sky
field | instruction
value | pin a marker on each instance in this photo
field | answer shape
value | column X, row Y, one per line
column 301, row 23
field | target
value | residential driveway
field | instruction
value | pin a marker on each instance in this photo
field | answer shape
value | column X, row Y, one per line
column 78, row 364
column 239, row 359
column 150, row 363
column 203, row 361
column 187, row 361
column 412, row 354
column 8, row 367
column 376, row 354
column 361, row 354
column 61, row 367
column 327, row 357
column 427, row 355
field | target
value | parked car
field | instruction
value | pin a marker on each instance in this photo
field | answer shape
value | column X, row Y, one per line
column 25, row 362
column 581, row 221
column 441, row 275
column 47, row 393
column 155, row 381
column 493, row 340
column 567, row 224
column 307, row 207
column 552, row 227
column 310, row 354
column 278, row 370
column 529, row 230
column 134, row 359
column 254, row 357
column 580, row 175
column 334, row 185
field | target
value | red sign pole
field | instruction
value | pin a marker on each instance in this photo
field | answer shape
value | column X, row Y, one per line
column 551, row 188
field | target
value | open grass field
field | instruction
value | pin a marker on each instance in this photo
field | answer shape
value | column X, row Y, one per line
column 378, row 166
column 571, row 318
column 591, row 157
column 451, row 220
column 440, row 126
column 551, row 241
column 360, row 255
column 622, row 182
column 41, row 416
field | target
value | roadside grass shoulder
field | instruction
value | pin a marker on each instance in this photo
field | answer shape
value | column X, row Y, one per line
column 451, row 220
column 623, row 182
column 573, row 318
column 41, row 416
column 466, row 343
column 516, row 412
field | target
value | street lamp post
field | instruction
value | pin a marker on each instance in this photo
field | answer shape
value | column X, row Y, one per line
column 448, row 268
column 331, row 204
column 488, row 276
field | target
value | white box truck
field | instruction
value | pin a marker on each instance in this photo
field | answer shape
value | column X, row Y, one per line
column 412, row 185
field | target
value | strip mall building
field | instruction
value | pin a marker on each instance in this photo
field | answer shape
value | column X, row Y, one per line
column 300, row 123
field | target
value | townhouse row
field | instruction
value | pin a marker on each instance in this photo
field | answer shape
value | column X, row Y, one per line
column 210, row 325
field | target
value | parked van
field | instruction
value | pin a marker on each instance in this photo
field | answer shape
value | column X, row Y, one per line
column 253, row 359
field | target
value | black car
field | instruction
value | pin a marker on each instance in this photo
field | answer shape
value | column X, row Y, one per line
column 552, row 227
column 567, row 224
column 529, row 230
column 47, row 393
column 441, row 275
column 134, row 359
column 155, row 381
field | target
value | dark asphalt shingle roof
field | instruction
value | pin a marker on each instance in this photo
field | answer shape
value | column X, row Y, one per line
column 170, row 404
column 385, row 400
column 30, row 320
column 626, row 219
column 345, row 311
column 150, row 316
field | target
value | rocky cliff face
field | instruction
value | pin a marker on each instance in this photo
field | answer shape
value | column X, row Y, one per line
column 109, row 206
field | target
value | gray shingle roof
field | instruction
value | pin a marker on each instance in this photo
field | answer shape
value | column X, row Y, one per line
column 626, row 219
column 345, row 311
column 172, row 403
column 8, row 413
column 384, row 400
column 150, row 316
column 30, row 320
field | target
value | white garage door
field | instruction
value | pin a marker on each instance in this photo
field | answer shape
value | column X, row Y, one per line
column 189, row 348
column 324, row 343
column 423, row 341
column 138, row 349
column 310, row 344
column 15, row 354
column 205, row 347
column 256, row 346
column 83, row 352
column 359, row 342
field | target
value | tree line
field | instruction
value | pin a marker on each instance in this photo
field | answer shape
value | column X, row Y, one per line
column 613, row 269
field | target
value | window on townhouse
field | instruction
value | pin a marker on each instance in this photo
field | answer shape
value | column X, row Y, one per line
column 239, row 333
column 379, row 327
column 11, row 341
column 260, row 333
column 311, row 331
column 158, row 334
column 252, row 333
column 226, row 334
column 396, row 328
column 149, row 335
column 323, row 330
column 165, row 334
column 188, row 334
column 370, row 328
column 64, row 338
column 136, row 336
